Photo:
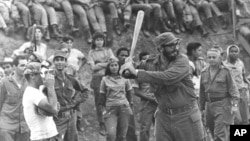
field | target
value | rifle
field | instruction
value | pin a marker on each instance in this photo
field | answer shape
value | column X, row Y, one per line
column 34, row 37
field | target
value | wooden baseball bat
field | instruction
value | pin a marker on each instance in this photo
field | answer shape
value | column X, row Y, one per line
column 137, row 29
column 138, row 24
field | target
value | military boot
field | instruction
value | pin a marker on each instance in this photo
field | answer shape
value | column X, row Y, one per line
column 223, row 22
column 203, row 31
column 126, row 25
column 46, row 34
column 212, row 25
column 73, row 29
column 116, row 26
column 56, row 32
column 164, row 26
column 88, row 36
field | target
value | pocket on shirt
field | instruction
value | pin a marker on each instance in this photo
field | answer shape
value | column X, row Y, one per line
column 221, row 82
column 13, row 100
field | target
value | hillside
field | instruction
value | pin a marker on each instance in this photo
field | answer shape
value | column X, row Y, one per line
column 222, row 38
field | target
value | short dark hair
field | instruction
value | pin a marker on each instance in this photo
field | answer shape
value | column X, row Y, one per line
column 192, row 46
column 17, row 58
column 96, row 36
column 107, row 70
column 66, row 38
column 143, row 53
column 122, row 49
column 27, row 77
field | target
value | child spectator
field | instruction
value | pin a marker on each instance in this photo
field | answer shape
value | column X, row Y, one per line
column 98, row 59
column 116, row 98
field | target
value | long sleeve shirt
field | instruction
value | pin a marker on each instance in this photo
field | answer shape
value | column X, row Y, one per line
column 11, row 109
column 68, row 89
column 222, row 86
column 96, row 56
column 174, row 86
column 41, row 49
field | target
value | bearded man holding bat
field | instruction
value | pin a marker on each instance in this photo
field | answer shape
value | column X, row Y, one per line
column 177, row 117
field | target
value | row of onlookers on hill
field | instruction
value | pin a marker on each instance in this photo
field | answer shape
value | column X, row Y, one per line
column 160, row 15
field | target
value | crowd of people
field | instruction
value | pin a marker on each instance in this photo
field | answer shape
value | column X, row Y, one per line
column 160, row 16
column 41, row 96
column 185, row 97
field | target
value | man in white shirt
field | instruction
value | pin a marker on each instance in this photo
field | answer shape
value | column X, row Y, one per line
column 39, row 108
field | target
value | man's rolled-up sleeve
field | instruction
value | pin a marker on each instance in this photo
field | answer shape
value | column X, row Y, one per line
column 173, row 74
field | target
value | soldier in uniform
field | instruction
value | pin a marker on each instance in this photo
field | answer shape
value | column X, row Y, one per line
column 177, row 116
column 238, row 72
column 220, row 95
column 148, row 104
column 70, row 93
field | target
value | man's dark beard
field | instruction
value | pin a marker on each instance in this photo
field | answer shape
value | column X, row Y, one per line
column 168, row 55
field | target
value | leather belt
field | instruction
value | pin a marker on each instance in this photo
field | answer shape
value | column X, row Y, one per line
column 215, row 99
column 174, row 111
column 65, row 113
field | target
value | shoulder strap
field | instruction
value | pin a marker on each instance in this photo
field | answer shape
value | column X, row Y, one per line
column 211, row 82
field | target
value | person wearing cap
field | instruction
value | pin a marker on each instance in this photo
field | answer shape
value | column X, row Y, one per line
column 35, row 45
column 75, row 60
column 70, row 93
column 42, row 127
column 237, row 69
column 7, row 66
column 148, row 104
column 98, row 58
column 12, row 123
column 219, row 94
column 169, row 73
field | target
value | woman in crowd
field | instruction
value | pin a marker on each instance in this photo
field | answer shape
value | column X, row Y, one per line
column 98, row 59
column 116, row 98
